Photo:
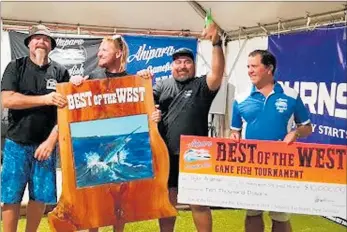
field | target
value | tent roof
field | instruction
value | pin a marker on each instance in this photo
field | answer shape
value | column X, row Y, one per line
column 163, row 15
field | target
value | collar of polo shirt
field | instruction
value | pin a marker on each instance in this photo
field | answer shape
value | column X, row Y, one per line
column 277, row 89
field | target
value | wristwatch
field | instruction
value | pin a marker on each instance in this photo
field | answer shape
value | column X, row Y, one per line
column 218, row 43
column 297, row 134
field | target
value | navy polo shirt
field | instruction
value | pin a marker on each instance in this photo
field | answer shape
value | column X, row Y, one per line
column 268, row 118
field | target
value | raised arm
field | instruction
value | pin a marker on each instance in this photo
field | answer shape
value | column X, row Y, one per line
column 215, row 77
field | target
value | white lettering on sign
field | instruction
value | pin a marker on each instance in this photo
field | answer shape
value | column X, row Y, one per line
column 318, row 97
column 69, row 42
column 147, row 54
column 157, row 69
column 198, row 143
column 79, row 100
column 330, row 131
column 76, row 70
column 121, row 95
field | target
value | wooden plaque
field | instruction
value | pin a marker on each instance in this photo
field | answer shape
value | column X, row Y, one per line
column 114, row 163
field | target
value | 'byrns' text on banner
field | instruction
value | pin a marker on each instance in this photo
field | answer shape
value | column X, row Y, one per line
column 263, row 175
column 314, row 64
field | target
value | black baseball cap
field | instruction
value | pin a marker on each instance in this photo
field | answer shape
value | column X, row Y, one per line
column 183, row 52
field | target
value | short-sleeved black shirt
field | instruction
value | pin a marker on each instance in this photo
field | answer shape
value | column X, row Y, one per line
column 103, row 73
column 33, row 125
column 185, row 107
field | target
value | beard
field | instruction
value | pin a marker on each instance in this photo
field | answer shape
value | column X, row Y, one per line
column 40, row 54
column 182, row 78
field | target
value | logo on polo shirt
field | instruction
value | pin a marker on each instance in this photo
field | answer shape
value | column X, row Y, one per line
column 188, row 93
column 51, row 84
column 281, row 105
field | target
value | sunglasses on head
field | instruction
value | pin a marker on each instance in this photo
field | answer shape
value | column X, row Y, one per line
column 119, row 40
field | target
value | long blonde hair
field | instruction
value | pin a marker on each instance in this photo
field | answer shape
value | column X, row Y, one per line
column 122, row 45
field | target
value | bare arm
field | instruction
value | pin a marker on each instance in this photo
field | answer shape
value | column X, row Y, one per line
column 53, row 136
column 17, row 101
column 47, row 147
column 303, row 130
column 13, row 100
column 215, row 77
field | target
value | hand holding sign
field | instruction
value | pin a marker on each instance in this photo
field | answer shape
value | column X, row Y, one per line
column 156, row 115
column 54, row 99
column 78, row 80
column 290, row 137
column 145, row 74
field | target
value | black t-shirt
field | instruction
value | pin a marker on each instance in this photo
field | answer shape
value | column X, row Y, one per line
column 103, row 73
column 184, row 107
column 33, row 125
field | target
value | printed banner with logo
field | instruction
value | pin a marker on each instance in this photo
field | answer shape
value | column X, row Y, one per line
column 314, row 63
column 300, row 178
column 155, row 53
column 79, row 55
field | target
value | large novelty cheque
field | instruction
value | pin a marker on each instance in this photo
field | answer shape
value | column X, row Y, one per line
column 114, row 162
column 263, row 175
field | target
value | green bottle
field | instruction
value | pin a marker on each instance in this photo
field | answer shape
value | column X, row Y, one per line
column 208, row 18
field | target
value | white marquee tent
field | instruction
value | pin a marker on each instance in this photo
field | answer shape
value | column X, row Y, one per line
column 160, row 16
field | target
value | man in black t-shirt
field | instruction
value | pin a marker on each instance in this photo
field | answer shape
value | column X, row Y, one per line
column 28, row 91
column 185, row 101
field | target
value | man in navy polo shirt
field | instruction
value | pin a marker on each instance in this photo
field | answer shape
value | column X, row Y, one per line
column 267, row 112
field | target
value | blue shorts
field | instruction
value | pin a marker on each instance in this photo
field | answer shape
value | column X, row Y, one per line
column 20, row 168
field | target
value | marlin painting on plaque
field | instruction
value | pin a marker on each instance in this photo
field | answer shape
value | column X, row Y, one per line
column 111, row 150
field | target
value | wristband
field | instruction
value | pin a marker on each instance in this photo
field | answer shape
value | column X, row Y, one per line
column 297, row 134
column 218, row 43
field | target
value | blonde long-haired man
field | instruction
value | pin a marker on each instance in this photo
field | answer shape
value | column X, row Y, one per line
column 112, row 55
column 112, row 59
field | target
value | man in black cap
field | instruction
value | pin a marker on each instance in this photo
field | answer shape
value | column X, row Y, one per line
column 28, row 91
column 185, row 101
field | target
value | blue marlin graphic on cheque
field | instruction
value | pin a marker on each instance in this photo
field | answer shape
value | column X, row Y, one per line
column 192, row 155
column 116, row 146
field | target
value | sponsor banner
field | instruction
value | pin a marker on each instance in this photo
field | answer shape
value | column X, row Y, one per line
column 154, row 53
column 263, row 175
column 314, row 63
column 79, row 55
